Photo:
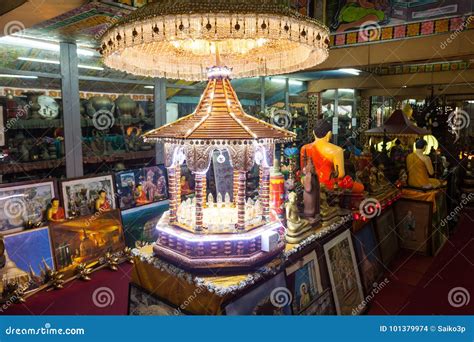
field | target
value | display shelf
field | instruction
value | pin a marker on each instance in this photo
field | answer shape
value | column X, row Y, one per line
column 89, row 122
column 34, row 123
column 119, row 157
column 9, row 168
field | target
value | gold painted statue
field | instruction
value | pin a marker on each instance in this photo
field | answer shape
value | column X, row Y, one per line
column 420, row 168
column 374, row 186
column 329, row 214
column 382, row 180
column 298, row 228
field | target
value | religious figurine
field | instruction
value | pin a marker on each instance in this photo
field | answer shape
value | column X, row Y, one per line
column 298, row 228
column 55, row 212
column 403, row 177
column 382, row 180
column 102, row 203
column 328, row 214
column 374, row 186
column 140, row 195
column 185, row 189
column 420, row 168
column 311, row 191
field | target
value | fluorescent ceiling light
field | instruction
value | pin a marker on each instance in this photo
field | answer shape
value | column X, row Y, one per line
column 283, row 80
column 350, row 71
column 149, row 87
column 470, row 101
column 346, row 90
column 50, row 61
column 38, row 44
column 17, row 76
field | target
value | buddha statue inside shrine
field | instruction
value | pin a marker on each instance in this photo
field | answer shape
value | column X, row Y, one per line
column 420, row 168
column 297, row 228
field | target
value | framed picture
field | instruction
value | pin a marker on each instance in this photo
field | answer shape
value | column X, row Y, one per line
column 322, row 305
column 26, row 257
column 86, row 239
column 414, row 225
column 154, row 183
column 141, row 186
column 143, row 303
column 127, row 182
column 387, row 236
column 368, row 256
column 79, row 195
column 343, row 273
column 139, row 224
column 24, row 204
column 259, row 300
column 304, row 282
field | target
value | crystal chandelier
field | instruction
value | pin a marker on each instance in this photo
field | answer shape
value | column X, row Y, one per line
column 179, row 38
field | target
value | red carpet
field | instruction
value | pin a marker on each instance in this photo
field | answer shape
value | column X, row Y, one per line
column 77, row 297
column 421, row 285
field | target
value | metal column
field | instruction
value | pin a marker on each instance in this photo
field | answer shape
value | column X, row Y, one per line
column 159, row 100
column 287, row 94
column 71, row 111
column 262, row 94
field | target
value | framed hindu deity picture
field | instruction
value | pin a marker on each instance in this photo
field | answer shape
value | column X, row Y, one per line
column 387, row 236
column 139, row 224
column 80, row 195
column 26, row 257
column 322, row 305
column 368, row 256
column 86, row 239
column 304, row 282
column 143, row 303
column 343, row 273
column 272, row 298
column 24, row 205
column 414, row 224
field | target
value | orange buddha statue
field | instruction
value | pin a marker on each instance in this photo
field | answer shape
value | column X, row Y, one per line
column 326, row 157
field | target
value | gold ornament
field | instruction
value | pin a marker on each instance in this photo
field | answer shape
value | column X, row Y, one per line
column 111, row 261
column 13, row 291
column 83, row 272
column 127, row 253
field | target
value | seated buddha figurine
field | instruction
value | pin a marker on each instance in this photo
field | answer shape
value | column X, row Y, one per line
column 140, row 195
column 55, row 212
column 298, row 227
column 383, row 181
column 102, row 203
column 326, row 158
column 374, row 185
column 420, row 168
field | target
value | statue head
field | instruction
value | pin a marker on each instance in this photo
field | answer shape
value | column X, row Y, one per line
column 55, row 202
column 420, row 144
column 292, row 197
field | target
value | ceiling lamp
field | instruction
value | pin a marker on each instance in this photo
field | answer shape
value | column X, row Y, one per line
column 179, row 38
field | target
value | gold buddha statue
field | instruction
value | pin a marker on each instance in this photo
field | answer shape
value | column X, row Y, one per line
column 374, row 186
column 298, row 228
column 420, row 168
column 382, row 180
